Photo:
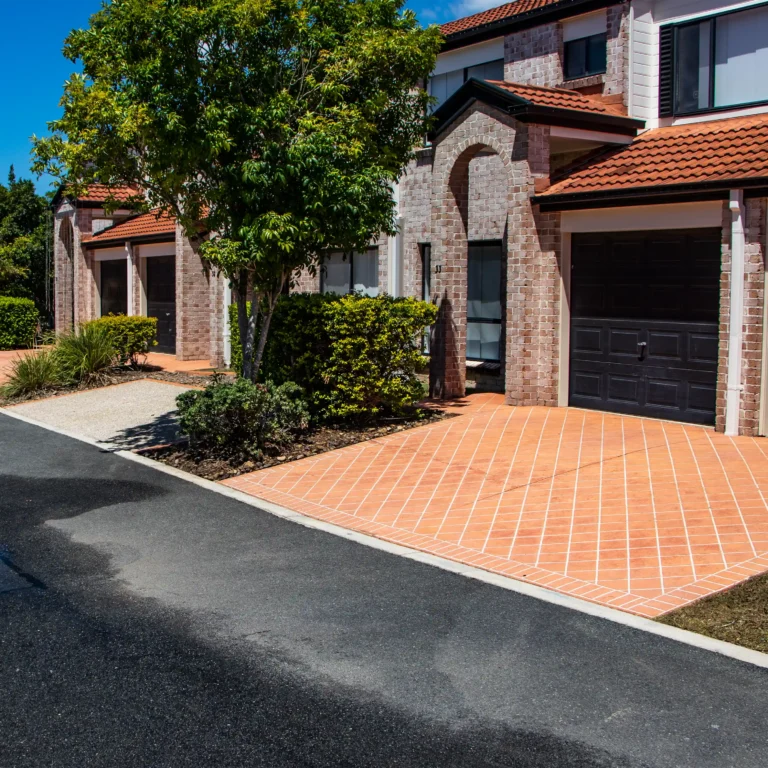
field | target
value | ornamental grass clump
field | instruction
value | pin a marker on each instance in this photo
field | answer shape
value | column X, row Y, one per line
column 32, row 373
column 237, row 418
column 85, row 356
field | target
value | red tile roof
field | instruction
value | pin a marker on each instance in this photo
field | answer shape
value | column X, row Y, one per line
column 98, row 193
column 559, row 98
column 154, row 222
column 732, row 150
column 503, row 12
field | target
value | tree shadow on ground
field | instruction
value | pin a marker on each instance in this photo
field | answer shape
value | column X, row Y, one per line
column 160, row 431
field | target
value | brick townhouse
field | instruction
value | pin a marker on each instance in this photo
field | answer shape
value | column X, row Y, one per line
column 589, row 213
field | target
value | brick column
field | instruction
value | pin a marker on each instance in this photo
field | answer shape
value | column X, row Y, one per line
column 193, row 304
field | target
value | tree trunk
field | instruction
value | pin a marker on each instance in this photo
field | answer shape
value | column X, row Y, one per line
column 247, row 341
column 265, row 321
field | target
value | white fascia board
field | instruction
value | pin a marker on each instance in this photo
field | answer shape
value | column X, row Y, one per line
column 109, row 254
column 469, row 56
column 156, row 249
column 596, row 136
column 584, row 26
column 632, row 218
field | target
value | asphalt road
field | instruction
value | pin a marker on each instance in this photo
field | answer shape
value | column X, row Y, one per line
column 145, row 621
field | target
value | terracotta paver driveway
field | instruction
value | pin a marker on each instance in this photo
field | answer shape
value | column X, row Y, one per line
column 634, row 513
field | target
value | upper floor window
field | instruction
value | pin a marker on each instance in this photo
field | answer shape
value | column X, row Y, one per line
column 445, row 85
column 585, row 56
column 715, row 63
column 356, row 272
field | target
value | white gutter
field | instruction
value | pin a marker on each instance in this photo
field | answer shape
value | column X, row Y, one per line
column 227, row 337
column 736, row 319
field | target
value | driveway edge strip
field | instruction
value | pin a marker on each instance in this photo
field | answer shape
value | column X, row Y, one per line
column 746, row 655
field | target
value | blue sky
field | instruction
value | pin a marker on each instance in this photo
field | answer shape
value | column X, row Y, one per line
column 34, row 69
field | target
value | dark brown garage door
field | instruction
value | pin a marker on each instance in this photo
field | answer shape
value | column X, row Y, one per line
column 644, row 323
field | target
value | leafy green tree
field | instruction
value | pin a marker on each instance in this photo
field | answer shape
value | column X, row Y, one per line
column 283, row 123
column 23, row 234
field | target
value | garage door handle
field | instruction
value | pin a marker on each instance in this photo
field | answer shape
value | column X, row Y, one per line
column 641, row 345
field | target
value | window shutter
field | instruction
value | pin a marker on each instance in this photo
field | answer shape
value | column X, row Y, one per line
column 666, row 71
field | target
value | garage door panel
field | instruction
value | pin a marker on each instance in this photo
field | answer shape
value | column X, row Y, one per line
column 645, row 310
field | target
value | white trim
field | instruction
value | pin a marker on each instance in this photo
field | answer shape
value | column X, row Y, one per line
column 469, row 56
column 715, row 10
column 129, row 309
column 644, row 217
column 711, row 117
column 583, row 26
column 597, row 136
column 762, row 425
column 736, row 315
column 226, row 331
column 745, row 655
column 109, row 254
column 157, row 249
column 565, row 321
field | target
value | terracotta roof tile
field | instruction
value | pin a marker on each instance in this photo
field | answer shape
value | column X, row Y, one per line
column 154, row 222
column 559, row 98
column 98, row 193
column 506, row 11
column 714, row 151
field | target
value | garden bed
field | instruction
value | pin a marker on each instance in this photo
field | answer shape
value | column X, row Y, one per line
column 311, row 443
column 112, row 377
column 739, row 615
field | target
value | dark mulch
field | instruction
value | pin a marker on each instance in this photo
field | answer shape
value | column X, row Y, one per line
column 738, row 615
column 115, row 376
column 317, row 440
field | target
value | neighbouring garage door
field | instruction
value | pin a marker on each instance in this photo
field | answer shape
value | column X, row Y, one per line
column 644, row 323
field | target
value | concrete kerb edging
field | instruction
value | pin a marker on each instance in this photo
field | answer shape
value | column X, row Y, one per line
column 703, row 642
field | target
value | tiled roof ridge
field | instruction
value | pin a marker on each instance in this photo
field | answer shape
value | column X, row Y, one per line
column 492, row 15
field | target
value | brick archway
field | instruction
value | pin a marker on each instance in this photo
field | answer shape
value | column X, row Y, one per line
column 451, row 212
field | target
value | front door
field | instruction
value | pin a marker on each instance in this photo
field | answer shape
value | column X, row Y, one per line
column 114, row 287
column 644, row 323
column 161, row 300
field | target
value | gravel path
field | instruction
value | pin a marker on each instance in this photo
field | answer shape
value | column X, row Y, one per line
column 132, row 415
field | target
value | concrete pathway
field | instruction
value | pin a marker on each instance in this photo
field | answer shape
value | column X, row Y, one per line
column 170, row 626
column 632, row 513
column 136, row 414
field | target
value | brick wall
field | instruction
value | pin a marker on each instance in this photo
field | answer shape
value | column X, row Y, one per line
column 193, row 302
column 216, row 298
column 616, row 78
column 415, row 207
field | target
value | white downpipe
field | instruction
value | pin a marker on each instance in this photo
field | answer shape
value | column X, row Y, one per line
column 736, row 319
column 227, row 336
column 395, row 250
column 129, row 279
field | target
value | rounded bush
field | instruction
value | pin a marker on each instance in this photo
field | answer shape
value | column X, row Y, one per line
column 18, row 322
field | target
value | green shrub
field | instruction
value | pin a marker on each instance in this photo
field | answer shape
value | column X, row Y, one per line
column 32, row 373
column 375, row 354
column 355, row 356
column 132, row 337
column 237, row 417
column 85, row 355
column 18, row 322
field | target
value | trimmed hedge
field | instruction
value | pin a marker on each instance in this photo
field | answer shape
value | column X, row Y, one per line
column 18, row 322
column 131, row 336
column 354, row 356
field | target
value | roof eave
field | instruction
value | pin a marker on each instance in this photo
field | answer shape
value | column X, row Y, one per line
column 159, row 237
column 525, row 111
column 523, row 21
column 650, row 195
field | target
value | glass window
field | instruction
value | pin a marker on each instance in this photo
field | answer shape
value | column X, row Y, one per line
column 718, row 61
column 114, row 287
column 444, row 86
column 484, row 263
column 344, row 272
column 336, row 273
column 585, row 56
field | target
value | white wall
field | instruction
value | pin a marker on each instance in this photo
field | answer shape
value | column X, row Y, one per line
column 647, row 16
